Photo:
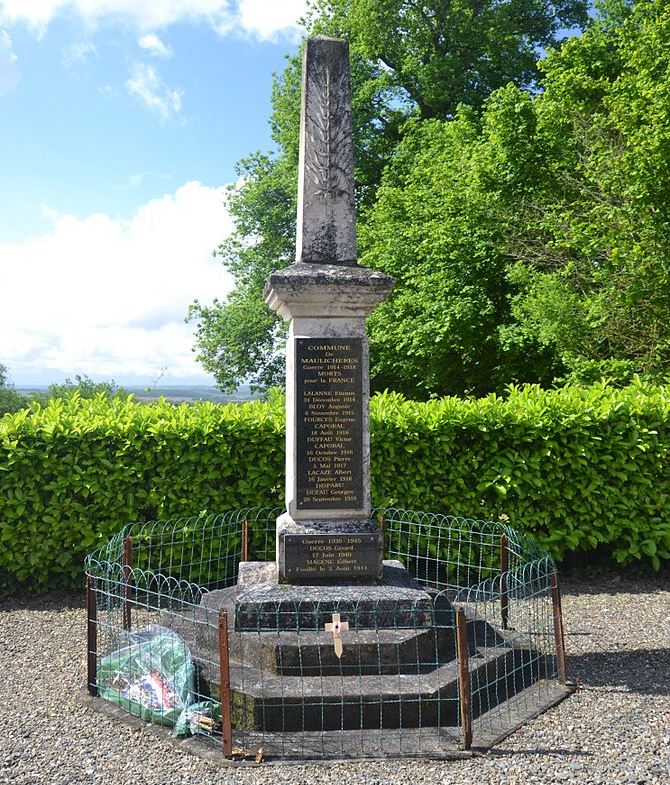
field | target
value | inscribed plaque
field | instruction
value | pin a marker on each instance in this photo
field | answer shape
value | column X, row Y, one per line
column 324, row 556
column 329, row 423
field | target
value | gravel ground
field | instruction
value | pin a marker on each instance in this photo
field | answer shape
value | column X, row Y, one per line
column 615, row 729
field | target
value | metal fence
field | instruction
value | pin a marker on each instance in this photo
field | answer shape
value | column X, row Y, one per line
column 466, row 648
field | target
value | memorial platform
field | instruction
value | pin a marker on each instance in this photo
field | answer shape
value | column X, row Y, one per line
column 259, row 602
column 397, row 663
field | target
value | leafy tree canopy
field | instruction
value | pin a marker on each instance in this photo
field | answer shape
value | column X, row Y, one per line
column 536, row 237
column 10, row 400
column 441, row 53
column 591, row 237
column 440, row 232
column 409, row 60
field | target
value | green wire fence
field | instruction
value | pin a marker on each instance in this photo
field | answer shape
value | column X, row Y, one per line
column 472, row 651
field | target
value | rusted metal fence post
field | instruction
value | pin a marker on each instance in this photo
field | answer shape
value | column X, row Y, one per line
column 91, row 638
column 224, row 679
column 464, row 678
column 127, row 574
column 382, row 528
column 558, row 627
column 245, row 540
column 504, row 575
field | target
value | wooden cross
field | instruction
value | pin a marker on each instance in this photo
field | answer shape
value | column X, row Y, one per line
column 337, row 627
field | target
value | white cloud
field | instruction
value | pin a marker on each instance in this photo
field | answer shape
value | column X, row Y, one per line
column 264, row 19
column 139, row 179
column 77, row 53
column 153, row 44
column 145, row 84
column 9, row 70
column 108, row 297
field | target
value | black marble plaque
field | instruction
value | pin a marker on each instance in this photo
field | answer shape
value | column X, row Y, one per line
column 320, row 557
column 329, row 423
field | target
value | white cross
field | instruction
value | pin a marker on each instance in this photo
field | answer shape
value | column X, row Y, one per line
column 337, row 627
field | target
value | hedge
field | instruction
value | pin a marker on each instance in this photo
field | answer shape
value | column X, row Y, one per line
column 579, row 468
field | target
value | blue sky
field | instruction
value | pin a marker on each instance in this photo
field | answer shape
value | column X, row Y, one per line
column 121, row 121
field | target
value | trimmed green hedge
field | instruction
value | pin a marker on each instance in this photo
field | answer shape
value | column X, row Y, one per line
column 579, row 468
column 73, row 473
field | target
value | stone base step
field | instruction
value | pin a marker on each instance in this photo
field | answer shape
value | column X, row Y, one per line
column 365, row 652
column 379, row 743
column 426, row 698
column 311, row 653
column 258, row 602
column 432, row 742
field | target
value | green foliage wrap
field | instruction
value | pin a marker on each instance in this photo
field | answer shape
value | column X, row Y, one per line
column 73, row 473
column 578, row 468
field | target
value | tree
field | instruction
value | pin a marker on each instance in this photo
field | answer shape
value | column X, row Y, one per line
column 439, row 229
column 592, row 244
column 534, row 241
column 409, row 60
column 439, row 54
column 10, row 400
column 85, row 388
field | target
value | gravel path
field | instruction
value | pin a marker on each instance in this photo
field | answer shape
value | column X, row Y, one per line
column 615, row 729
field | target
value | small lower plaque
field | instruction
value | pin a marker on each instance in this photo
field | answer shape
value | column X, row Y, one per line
column 320, row 557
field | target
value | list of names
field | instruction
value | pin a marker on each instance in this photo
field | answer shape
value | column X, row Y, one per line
column 329, row 423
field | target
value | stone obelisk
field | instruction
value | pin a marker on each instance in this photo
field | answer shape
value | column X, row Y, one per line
column 326, row 534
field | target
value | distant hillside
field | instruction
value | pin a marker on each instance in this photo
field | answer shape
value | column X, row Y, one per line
column 177, row 393
column 190, row 393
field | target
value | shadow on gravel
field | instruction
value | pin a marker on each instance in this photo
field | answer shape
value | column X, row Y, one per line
column 49, row 601
column 573, row 587
column 571, row 752
column 645, row 671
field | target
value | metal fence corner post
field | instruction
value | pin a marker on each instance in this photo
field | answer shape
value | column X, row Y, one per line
column 557, row 613
column 245, row 540
column 91, row 637
column 224, row 677
column 127, row 575
column 464, row 678
column 504, row 570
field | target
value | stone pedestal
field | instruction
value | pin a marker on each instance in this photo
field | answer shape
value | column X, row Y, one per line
column 396, row 669
column 259, row 602
column 326, row 532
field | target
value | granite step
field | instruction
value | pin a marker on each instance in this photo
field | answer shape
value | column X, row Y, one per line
column 308, row 652
column 435, row 742
column 365, row 652
column 259, row 603
column 429, row 697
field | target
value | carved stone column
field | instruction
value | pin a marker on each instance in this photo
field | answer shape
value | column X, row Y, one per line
column 326, row 533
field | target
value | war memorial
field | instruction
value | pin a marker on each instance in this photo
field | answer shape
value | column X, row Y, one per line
column 326, row 628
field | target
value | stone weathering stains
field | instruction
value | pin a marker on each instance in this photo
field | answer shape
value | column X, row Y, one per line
column 326, row 227
column 325, row 297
